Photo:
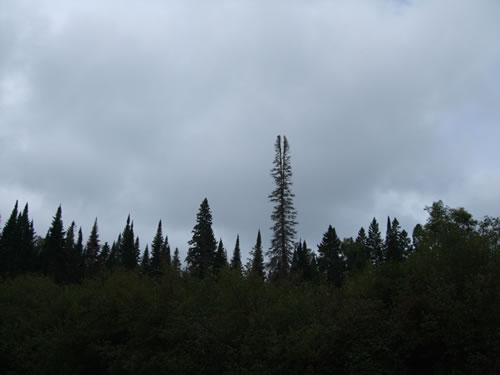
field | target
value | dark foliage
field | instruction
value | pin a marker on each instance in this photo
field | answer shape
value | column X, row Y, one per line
column 284, row 213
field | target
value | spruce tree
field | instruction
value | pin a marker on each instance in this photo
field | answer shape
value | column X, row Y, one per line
column 157, row 249
column 9, row 242
column 54, row 256
column 128, row 250
column 394, row 248
column 165, row 252
column 104, row 256
column 220, row 257
column 374, row 243
column 284, row 213
column 331, row 260
column 257, row 261
column 73, row 258
column 79, row 255
column 201, row 254
column 176, row 261
column 236, row 259
column 92, row 251
column 27, row 255
column 303, row 264
column 145, row 262
column 113, row 258
column 356, row 252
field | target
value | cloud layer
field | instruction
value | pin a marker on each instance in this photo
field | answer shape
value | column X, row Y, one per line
column 147, row 107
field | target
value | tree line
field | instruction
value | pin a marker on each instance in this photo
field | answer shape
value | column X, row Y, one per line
column 370, row 304
column 63, row 256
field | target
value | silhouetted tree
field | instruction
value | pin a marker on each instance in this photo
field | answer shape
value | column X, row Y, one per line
column 330, row 260
column 27, row 253
column 157, row 249
column 176, row 260
column 284, row 213
column 54, row 257
column 303, row 265
column 74, row 258
column 128, row 249
column 145, row 262
column 104, row 256
column 166, row 256
column 201, row 254
column 220, row 257
column 9, row 242
column 356, row 252
column 236, row 259
column 374, row 243
column 394, row 242
column 91, row 253
column 257, row 260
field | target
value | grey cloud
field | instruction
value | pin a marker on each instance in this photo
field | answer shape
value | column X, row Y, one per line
column 148, row 107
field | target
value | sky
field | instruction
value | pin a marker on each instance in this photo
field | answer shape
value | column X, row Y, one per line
column 111, row 108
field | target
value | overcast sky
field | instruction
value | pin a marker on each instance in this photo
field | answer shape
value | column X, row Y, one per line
column 147, row 107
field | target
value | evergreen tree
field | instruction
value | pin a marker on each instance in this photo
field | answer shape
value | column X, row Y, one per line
column 405, row 243
column 331, row 262
column 303, row 264
column 9, row 243
column 54, row 257
column 137, row 249
column 166, row 257
column 92, row 251
column 374, row 243
column 257, row 261
column 145, row 262
column 356, row 252
column 201, row 254
column 73, row 258
column 128, row 250
column 79, row 255
column 157, row 249
column 284, row 213
column 27, row 254
column 113, row 258
column 220, row 257
column 104, row 256
column 176, row 261
column 236, row 259
column 394, row 250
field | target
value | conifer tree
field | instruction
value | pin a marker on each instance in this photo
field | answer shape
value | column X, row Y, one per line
column 104, row 256
column 257, row 260
column 331, row 261
column 27, row 255
column 303, row 265
column 356, row 252
column 236, row 259
column 166, row 256
column 79, row 255
column 54, row 257
column 201, row 254
column 176, row 261
column 394, row 248
column 374, row 243
column 220, row 257
column 8, row 244
column 113, row 258
column 128, row 250
column 284, row 213
column 145, row 262
column 92, row 251
column 73, row 258
column 137, row 249
column 157, row 249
